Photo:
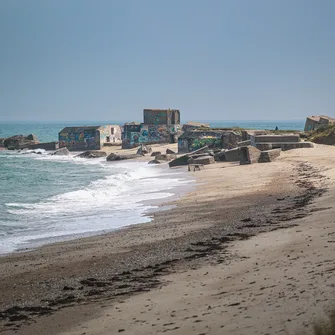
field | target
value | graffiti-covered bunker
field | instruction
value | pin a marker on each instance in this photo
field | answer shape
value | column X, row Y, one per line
column 213, row 138
column 89, row 137
column 159, row 126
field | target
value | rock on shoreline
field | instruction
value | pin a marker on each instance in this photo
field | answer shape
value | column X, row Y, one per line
column 92, row 154
column 114, row 157
column 17, row 142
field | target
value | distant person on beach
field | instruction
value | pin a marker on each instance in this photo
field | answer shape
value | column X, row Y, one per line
column 276, row 128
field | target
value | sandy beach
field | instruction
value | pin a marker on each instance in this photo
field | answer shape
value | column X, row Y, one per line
column 250, row 251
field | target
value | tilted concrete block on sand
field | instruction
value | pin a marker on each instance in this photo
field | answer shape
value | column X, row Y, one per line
column 155, row 153
column 183, row 160
column 249, row 155
column 205, row 160
column 179, row 161
column 165, row 157
column 232, row 155
column 269, row 155
column 220, row 156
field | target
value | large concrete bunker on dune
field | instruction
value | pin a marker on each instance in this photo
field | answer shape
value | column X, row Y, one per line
column 212, row 138
column 159, row 126
column 318, row 121
column 89, row 137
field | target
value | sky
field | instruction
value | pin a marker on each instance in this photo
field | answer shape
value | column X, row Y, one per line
column 66, row 60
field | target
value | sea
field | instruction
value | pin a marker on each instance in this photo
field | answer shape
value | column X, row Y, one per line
column 46, row 198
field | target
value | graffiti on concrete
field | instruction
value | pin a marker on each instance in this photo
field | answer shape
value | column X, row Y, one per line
column 149, row 134
column 210, row 141
column 81, row 138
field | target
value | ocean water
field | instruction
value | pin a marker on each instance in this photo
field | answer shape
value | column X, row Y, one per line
column 47, row 132
column 45, row 198
column 270, row 125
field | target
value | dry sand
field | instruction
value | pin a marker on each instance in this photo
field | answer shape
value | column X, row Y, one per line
column 249, row 252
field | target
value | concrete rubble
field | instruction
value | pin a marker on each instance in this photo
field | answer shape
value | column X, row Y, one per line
column 62, row 152
column 269, row 155
column 249, row 155
column 115, row 157
column 92, row 154
column 232, row 155
column 165, row 157
column 143, row 149
column 205, row 160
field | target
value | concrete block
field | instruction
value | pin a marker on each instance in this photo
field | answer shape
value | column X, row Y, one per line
column 232, row 155
column 263, row 146
column 62, row 152
column 179, row 161
column 276, row 138
column 283, row 145
column 269, row 155
column 220, row 156
column 244, row 143
column 46, row 146
column 92, row 154
column 249, row 155
column 203, row 160
column 165, row 157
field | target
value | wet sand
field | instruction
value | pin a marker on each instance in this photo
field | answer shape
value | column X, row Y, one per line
column 250, row 251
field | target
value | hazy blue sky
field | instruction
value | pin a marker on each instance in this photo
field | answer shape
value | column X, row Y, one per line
column 212, row 59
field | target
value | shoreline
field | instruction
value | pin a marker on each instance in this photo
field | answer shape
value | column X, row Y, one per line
column 156, row 205
column 150, row 205
column 195, row 233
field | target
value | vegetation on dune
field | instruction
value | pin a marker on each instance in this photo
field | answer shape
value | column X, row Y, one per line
column 223, row 128
column 268, row 131
column 323, row 135
column 283, row 132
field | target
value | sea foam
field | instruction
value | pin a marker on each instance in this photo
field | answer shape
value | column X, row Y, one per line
column 115, row 194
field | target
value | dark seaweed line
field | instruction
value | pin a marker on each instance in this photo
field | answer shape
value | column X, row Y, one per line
column 147, row 278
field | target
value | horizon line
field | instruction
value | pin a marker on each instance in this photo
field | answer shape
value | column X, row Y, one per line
column 121, row 121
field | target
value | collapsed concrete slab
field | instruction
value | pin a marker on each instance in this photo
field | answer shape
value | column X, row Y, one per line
column 275, row 138
column 155, row 153
column 204, row 160
column 48, row 146
column 232, row 155
column 179, row 161
column 183, row 160
column 115, row 157
column 269, row 155
column 244, row 143
column 220, row 156
column 165, row 157
column 263, row 146
column 249, row 155
column 284, row 146
column 92, row 154
column 143, row 149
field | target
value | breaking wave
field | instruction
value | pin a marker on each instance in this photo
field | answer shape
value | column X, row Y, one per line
column 72, row 197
